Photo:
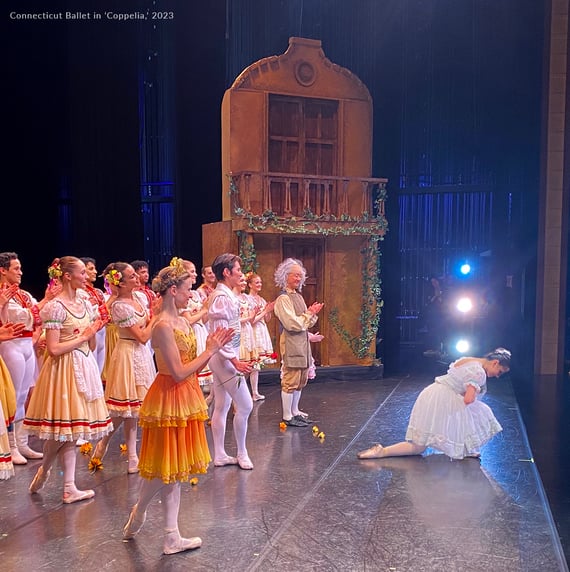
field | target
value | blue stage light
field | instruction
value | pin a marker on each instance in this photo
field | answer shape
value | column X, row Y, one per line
column 465, row 269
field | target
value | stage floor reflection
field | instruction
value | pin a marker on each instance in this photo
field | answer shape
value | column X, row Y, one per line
column 309, row 504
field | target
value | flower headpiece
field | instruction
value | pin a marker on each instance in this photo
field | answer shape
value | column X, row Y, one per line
column 54, row 271
column 177, row 264
column 113, row 277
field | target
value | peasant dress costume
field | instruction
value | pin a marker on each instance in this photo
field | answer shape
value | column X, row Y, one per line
column 67, row 403
column 195, row 304
column 131, row 369
column 440, row 419
column 7, row 413
column 261, row 336
column 247, row 348
column 174, row 444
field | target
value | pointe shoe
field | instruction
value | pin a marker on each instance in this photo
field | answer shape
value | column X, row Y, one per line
column 17, row 457
column 134, row 524
column 225, row 460
column 39, row 480
column 375, row 452
column 77, row 495
column 29, row 453
column 179, row 544
column 258, row 397
column 244, row 462
column 133, row 465
column 100, row 449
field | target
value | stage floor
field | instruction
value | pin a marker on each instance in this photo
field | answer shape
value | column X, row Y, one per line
column 309, row 504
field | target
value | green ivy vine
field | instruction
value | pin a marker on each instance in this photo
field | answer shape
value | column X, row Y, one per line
column 371, row 305
column 247, row 253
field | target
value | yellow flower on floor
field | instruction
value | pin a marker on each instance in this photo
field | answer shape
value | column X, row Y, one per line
column 283, row 426
column 321, row 435
column 123, row 447
column 194, row 481
column 95, row 464
column 86, row 448
column 315, row 429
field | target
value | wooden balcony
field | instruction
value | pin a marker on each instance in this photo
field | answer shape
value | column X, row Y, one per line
column 291, row 198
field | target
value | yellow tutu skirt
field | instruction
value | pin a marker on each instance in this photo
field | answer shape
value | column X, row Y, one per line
column 174, row 444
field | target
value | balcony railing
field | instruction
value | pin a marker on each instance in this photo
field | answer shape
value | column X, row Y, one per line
column 291, row 195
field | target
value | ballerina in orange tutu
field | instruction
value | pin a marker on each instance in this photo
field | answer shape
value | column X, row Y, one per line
column 174, row 444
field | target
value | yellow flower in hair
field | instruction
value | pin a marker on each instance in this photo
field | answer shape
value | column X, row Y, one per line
column 86, row 448
column 178, row 265
column 114, row 277
column 54, row 271
column 95, row 464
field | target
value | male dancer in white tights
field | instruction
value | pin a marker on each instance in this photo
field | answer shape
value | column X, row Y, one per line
column 18, row 354
column 227, row 369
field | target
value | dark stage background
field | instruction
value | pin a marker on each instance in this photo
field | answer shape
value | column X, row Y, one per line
column 112, row 138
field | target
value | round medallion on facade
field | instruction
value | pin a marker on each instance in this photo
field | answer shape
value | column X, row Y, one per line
column 305, row 73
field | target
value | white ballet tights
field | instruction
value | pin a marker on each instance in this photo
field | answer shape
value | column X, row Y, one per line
column 100, row 348
column 130, row 431
column 50, row 450
column 254, row 380
column 20, row 359
column 68, row 457
column 170, row 496
column 227, row 390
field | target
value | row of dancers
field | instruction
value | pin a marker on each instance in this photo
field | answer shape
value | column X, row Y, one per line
column 151, row 376
column 69, row 403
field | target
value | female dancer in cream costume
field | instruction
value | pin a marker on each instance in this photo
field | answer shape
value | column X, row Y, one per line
column 247, row 348
column 67, row 403
column 196, row 312
column 131, row 370
column 172, row 416
column 261, row 336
